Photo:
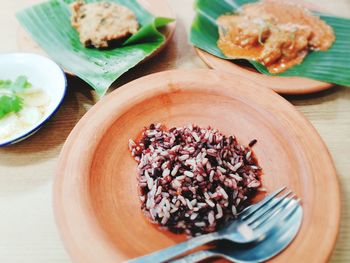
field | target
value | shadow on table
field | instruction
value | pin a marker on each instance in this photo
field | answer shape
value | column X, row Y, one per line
column 47, row 142
column 331, row 94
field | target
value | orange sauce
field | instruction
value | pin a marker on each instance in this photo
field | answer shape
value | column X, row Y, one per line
column 232, row 50
column 276, row 33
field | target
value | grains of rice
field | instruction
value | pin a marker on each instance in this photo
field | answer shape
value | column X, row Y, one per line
column 166, row 172
column 252, row 143
column 211, row 218
column 247, row 156
column 210, row 203
column 199, row 224
column 237, row 166
column 192, row 179
column 188, row 173
column 224, row 194
column 234, row 210
column 189, row 204
column 183, row 157
column 193, row 216
column 219, row 212
column 150, row 183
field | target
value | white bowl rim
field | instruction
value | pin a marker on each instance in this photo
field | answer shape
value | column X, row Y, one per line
column 35, row 128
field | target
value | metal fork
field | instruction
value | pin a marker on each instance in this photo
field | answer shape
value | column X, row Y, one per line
column 276, row 241
column 251, row 225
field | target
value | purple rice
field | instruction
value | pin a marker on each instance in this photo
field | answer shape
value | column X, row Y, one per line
column 193, row 179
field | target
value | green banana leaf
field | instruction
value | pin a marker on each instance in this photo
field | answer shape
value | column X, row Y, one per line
column 331, row 66
column 49, row 25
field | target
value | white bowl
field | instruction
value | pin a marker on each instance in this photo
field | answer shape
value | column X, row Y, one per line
column 42, row 73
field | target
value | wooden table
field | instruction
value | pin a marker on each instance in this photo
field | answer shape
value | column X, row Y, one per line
column 27, row 228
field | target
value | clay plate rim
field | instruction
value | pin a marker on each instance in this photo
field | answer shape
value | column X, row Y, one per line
column 75, row 227
column 281, row 85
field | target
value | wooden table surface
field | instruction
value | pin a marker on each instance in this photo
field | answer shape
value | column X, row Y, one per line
column 27, row 229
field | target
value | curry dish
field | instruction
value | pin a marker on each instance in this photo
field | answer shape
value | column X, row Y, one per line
column 277, row 33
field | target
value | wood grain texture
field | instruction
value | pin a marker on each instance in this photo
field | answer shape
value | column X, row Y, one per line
column 28, row 231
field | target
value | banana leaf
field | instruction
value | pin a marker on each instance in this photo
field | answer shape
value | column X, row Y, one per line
column 49, row 25
column 331, row 66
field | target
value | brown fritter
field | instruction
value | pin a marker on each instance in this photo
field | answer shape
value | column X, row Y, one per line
column 100, row 23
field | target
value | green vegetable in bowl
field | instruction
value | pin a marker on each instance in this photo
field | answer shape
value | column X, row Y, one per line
column 22, row 106
column 9, row 104
column 10, row 101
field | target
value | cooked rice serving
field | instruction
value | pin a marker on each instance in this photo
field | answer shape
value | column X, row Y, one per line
column 193, row 179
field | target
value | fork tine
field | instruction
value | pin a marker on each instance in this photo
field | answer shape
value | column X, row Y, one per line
column 283, row 211
column 265, row 201
column 268, row 209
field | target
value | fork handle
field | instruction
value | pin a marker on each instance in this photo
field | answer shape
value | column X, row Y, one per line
column 176, row 250
column 195, row 257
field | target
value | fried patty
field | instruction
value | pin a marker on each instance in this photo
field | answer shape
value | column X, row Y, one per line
column 102, row 23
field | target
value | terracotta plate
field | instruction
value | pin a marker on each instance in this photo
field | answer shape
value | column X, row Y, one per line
column 156, row 7
column 95, row 196
column 282, row 85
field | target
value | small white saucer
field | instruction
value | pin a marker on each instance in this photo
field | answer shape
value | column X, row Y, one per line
column 42, row 73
